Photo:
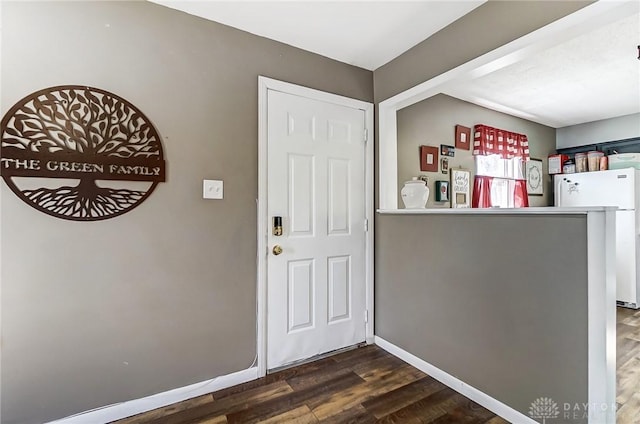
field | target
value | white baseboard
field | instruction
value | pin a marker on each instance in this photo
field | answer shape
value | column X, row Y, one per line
column 133, row 407
column 459, row 386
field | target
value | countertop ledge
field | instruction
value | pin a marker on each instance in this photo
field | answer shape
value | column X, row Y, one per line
column 498, row 211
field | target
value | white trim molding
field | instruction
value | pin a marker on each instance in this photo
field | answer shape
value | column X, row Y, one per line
column 3, row 112
column 601, row 295
column 265, row 84
column 573, row 210
column 456, row 384
column 130, row 408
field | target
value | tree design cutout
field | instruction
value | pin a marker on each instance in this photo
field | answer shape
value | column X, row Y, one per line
column 89, row 143
column 544, row 408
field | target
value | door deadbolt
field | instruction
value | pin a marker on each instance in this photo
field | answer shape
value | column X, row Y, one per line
column 277, row 249
column 277, row 225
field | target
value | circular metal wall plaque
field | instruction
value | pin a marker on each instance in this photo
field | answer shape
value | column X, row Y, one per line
column 80, row 153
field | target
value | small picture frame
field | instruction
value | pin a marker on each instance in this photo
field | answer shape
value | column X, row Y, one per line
column 442, row 191
column 444, row 166
column 460, row 188
column 446, row 150
column 428, row 158
column 535, row 177
column 463, row 137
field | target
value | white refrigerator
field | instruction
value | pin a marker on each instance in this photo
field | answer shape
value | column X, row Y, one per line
column 621, row 188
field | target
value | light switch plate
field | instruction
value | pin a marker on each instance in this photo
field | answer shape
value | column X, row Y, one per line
column 212, row 189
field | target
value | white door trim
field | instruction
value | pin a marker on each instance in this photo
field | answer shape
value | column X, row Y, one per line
column 265, row 84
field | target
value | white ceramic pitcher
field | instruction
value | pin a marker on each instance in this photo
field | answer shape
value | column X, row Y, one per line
column 415, row 194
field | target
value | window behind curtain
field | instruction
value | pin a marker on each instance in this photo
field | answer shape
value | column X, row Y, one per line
column 504, row 173
column 499, row 158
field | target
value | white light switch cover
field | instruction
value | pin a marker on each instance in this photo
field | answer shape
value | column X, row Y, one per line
column 212, row 189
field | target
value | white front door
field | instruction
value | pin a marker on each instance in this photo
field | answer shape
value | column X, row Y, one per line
column 316, row 184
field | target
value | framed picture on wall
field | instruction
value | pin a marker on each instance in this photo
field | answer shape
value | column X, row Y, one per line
column 442, row 191
column 460, row 188
column 463, row 137
column 444, row 165
column 535, row 180
column 446, row 150
column 429, row 158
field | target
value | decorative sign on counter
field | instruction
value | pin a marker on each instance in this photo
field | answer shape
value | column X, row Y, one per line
column 535, row 182
column 80, row 153
column 460, row 188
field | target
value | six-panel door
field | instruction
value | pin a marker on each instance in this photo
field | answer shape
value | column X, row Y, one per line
column 316, row 286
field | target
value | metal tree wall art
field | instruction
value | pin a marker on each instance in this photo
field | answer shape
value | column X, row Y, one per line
column 73, row 152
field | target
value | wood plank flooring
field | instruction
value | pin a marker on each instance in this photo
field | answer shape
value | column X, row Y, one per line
column 628, row 366
column 368, row 385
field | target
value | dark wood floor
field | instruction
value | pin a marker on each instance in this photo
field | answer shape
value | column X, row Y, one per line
column 368, row 385
column 365, row 385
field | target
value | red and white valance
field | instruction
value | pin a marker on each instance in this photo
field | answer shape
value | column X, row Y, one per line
column 493, row 141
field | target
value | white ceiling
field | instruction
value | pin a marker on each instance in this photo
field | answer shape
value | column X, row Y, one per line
column 594, row 76
column 367, row 34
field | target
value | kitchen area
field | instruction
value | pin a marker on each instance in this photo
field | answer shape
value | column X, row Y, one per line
column 596, row 179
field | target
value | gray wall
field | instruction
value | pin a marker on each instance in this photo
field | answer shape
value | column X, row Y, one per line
column 163, row 296
column 490, row 300
column 432, row 122
column 612, row 129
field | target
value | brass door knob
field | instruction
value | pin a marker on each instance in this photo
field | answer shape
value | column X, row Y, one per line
column 277, row 249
